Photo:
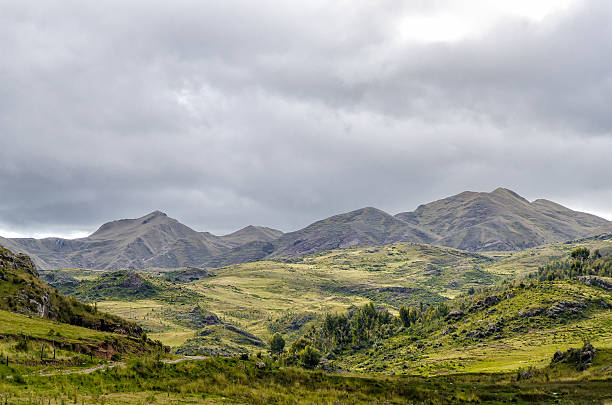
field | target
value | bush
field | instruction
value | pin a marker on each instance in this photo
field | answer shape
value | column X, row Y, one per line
column 309, row 357
column 277, row 344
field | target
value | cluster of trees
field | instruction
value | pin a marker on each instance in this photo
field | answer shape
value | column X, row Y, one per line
column 300, row 353
column 354, row 330
column 581, row 262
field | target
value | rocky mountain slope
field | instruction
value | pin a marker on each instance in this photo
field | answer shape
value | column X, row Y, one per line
column 499, row 220
column 154, row 240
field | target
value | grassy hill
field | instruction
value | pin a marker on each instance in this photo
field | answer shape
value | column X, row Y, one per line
column 519, row 327
column 41, row 329
column 263, row 297
column 499, row 328
column 21, row 291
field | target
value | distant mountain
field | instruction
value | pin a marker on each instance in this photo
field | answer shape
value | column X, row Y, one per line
column 500, row 220
column 252, row 234
column 154, row 240
column 364, row 227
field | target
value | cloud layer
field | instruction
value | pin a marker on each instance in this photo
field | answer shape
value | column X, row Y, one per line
column 279, row 113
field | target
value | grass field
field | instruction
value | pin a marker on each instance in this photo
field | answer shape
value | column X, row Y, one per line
column 219, row 381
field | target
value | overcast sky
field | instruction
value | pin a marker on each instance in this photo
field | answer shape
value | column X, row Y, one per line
column 279, row 113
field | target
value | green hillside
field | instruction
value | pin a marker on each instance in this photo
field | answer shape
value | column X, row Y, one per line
column 500, row 328
column 23, row 292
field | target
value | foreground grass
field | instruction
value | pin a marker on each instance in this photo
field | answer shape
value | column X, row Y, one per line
column 234, row 381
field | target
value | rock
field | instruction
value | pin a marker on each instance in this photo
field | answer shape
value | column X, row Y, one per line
column 491, row 300
column 565, row 308
column 487, row 302
column 580, row 358
column 455, row 314
column 17, row 262
column 531, row 311
column 260, row 365
column 596, row 282
column 212, row 319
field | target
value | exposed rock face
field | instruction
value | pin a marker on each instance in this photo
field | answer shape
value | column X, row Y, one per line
column 489, row 330
column 455, row 314
column 134, row 281
column 484, row 303
column 188, row 275
column 17, row 262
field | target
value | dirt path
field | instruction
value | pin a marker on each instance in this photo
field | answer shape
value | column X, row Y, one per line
column 118, row 364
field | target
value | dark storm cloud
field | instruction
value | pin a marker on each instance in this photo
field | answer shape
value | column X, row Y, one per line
column 280, row 113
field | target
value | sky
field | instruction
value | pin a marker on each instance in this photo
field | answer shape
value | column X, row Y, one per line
column 280, row 113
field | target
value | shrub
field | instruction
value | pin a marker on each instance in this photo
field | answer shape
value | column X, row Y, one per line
column 309, row 357
column 277, row 344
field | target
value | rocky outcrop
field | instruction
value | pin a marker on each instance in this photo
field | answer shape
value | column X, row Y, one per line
column 17, row 262
column 579, row 358
column 455, row 314
column 486, row 302
column 566, row 308
column 596, row 282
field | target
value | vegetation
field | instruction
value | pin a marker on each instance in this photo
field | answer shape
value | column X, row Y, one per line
column 530, row 339
column 218, row 380
column 23, row 292
column 580, row 263
column 277, row 344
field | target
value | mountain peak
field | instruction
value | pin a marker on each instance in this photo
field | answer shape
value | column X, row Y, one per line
column 501, row 220
column 252, row 233
column 155, row 214
column 506, row 192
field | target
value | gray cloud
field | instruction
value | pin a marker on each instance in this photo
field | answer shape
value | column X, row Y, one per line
column 279, row 113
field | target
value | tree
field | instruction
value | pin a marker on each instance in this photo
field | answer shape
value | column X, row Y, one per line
column 580, row 253
column 404, row 314
column 277, row 344
column 309, row 357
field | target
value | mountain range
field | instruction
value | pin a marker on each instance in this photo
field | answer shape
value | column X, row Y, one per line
column 474, row 221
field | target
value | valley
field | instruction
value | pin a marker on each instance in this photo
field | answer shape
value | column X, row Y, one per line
column 368, row 307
